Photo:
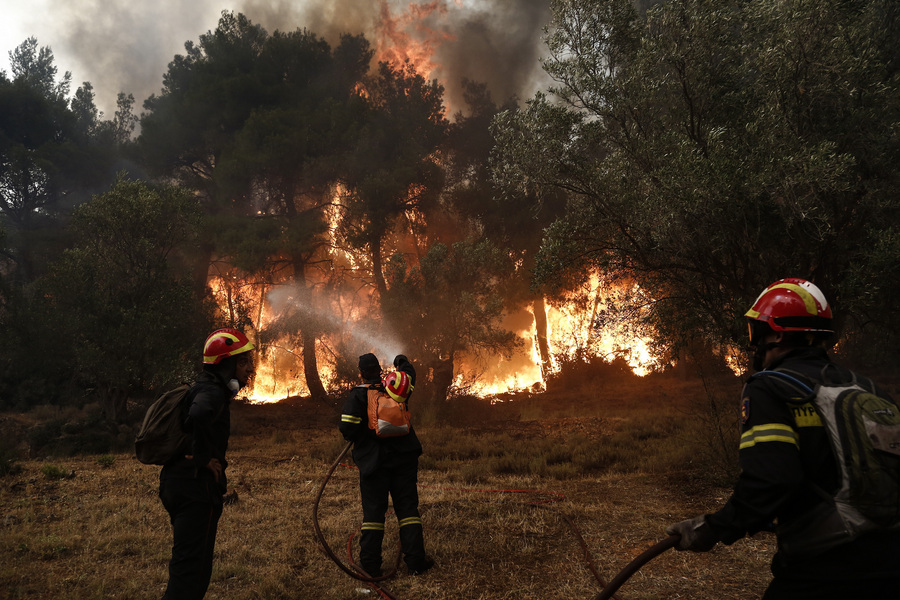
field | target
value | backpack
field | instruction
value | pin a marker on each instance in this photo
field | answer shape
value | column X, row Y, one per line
column 162, row 431
column 864, row 432
column 387, row 417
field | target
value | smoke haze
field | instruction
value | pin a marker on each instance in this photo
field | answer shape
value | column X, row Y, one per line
column 121, row 46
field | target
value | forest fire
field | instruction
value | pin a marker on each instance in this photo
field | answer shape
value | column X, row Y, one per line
column 308, row 321
column 572, row 335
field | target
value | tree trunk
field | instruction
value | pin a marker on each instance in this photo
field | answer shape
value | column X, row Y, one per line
column 540, row 327
column 442, row 379
column 377, row 273
column 114, row 404
column 311, row 364
column 308, row 332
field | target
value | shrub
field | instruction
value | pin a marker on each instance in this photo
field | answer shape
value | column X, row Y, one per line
column 54, row 472
column 8, row 465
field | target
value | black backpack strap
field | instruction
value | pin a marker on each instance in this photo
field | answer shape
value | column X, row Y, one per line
column 792, row 378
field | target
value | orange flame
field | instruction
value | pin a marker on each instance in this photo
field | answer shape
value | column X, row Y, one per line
column 409, row 37
column 570, row 329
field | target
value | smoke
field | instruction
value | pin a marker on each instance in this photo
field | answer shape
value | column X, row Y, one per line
column 124, row 46
column 360, row 331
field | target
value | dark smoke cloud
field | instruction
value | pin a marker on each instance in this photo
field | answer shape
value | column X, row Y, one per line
column 126, row 46
column 497, row 42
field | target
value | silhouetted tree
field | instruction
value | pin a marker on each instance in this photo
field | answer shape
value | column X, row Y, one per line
column 120, row 300
column 394, row 168
column 514, row 221
column 450, row 305
column 50, row 156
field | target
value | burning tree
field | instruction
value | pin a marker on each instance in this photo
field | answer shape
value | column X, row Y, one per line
column 449, row 306
column 393, row 169
column 258, row 124
column 311, row 169
column 709, row 149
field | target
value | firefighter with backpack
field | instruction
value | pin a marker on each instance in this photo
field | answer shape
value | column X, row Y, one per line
column 193, row 482
column 794, row 477
column 386, row 451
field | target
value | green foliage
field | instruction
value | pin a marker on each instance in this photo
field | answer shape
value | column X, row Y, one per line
column 106, row 461
column 122, row 296
column 54, row 471
column 710, row 148
column 51, row 154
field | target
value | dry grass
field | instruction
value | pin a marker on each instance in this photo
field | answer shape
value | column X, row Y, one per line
column 102, row 532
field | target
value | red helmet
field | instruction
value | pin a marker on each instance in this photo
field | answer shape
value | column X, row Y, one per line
column 398, row 385
column 223, row 343
column 791, row 305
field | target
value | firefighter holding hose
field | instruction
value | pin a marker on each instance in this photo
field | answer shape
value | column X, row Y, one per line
column 388, row 465
column 789, row 473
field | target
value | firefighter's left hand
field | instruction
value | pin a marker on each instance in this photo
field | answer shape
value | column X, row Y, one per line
column 696, row 534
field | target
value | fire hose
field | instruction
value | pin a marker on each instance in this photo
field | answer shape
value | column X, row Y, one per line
column 608, row 589
column 360, row 575
column 632, row 567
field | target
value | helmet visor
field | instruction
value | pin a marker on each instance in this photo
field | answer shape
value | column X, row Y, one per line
column 757, row 331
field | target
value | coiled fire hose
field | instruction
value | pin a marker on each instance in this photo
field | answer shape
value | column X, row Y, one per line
column 360, row 575
column 609, row 590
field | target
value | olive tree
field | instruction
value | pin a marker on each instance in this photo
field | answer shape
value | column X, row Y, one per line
column 709, row 148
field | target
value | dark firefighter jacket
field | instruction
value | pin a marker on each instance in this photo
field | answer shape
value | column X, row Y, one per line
column 784, row 446
column 208, row 419
column 368, row 448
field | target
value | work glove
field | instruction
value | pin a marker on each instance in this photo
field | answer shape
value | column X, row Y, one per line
column 696, row 534
column 400, row 359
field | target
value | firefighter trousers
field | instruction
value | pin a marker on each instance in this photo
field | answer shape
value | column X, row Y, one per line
column 396, row 476
column 194, row 507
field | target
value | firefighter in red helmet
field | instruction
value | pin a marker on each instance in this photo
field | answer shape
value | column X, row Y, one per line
column 193, row 483
column 789, row 473
column 388, row 466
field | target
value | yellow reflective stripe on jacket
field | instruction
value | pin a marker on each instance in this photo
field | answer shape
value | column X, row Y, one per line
column 411, row 521
column 770, row 432
column 372, row 526
column 351, row 419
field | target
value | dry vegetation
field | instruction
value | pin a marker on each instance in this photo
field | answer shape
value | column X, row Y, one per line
column 627, row 456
